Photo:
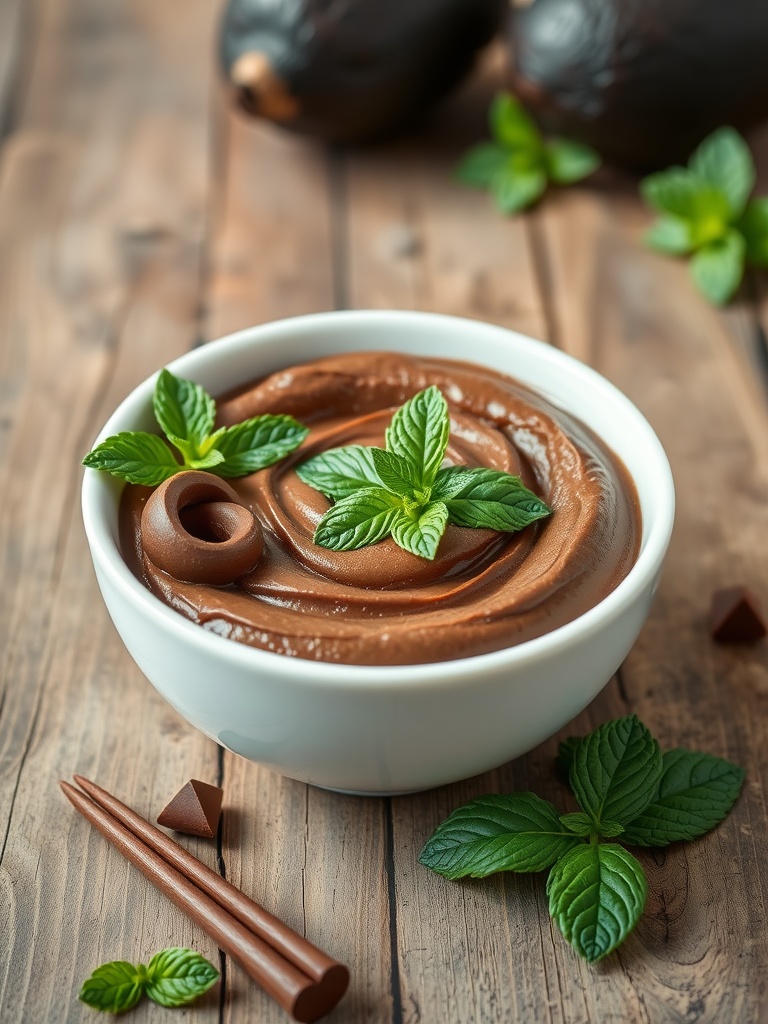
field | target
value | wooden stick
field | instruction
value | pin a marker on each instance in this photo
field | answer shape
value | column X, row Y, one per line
column 304, row 998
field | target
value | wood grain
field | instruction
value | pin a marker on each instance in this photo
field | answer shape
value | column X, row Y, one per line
column 139, row 216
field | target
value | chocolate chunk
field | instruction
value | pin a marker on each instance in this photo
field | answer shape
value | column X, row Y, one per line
column 195, row 810
column 736, row 616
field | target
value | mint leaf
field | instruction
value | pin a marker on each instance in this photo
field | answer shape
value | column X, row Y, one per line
column 615, row 770
column 340, row 472
column 695, row 792
column 421, row 535
column 568, row 161
column 182, row 408
column 363, row 518
column 512, row 125
column 487, row 499
column 718, row 267
column 395, row 472
column 754, row 229
column 579, row 823
column 671, row 235
column 564, row 759
column 419, row 433
column 114, row 987
column 515, row 190
column 724, row 160
column 481, row 164
column 177, row 976
column 257, row 443
column 516, row 832
column 684, row 194
column 597, row 892
column 134, row 456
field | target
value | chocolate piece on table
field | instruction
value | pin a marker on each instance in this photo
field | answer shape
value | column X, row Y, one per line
column 195, row 809
column 736, row 616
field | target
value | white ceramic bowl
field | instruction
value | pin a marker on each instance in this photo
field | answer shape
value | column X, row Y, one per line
column 386, row 729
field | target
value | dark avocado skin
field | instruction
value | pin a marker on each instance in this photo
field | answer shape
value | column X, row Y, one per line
column 361, row 68
column 643, row 81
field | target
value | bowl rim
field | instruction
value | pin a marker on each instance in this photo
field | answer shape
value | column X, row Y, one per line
column 443, row 674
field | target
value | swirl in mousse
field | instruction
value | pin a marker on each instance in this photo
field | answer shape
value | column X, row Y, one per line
column 238, row 558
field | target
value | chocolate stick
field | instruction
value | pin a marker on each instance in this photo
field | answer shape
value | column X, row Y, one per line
column 303, row 998
column 294, row 947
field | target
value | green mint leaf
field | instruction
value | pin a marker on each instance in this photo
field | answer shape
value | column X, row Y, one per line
column 568, row 161
column 515, row 832
column 394, row 471
column 134, row 456
column 754, row 229
column 487, row 499
column 340, row 472
column 197, row 456
column 358, row 520
column 597, row 892
column 419, row 433
column 724, row 160
column 512, row 125
column 564, row 759
column 615, row 770
column 671, row 235
column 718, row 267
column 257, row 443
column 421, row 535
column 177, row 976
column 114, row 987
column 684, row 194
column 517, row 189
column 182, row 408
column 579, row 823
column 695, row 792
column 481, row 164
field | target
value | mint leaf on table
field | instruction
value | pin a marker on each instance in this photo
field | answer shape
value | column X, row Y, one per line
column 186, row 414
column 706, row 212
column 518, row 832
column 596, row 892
column 615, row 770
column 516, row 167
column 114, row 987
column 626, row 790
column 174, row 977
column 134, row 456
column 177, row 976
column 695, row 792
column 401, row 490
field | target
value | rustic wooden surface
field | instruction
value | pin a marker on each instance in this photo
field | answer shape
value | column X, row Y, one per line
column 138, row 217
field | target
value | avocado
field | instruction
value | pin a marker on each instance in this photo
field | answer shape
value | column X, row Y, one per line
column 642, row 81
column 350, row 70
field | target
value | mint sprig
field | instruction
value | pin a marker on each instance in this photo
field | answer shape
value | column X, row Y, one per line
column 186, row 414
column 626, row 789
column 173, row 977
column 401, row 490
column 706, row 213
column 519, row 163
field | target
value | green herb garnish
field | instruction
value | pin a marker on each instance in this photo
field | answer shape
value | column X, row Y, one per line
column 517, row 165
column 173, row 977
column 401, row 491
column 706, row 213
column 626, row 788
column 186, row 413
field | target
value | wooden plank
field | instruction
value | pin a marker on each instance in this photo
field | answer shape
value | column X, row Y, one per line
column 102, row 211
column 314, row 858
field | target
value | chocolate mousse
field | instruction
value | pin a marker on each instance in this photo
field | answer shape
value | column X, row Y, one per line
column 381, row 605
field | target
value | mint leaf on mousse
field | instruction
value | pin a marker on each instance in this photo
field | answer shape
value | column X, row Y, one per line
column 404, row 493
column 596, row 890
column 186, row 414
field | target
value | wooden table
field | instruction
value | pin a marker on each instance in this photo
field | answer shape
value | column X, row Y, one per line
column 138, row 218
